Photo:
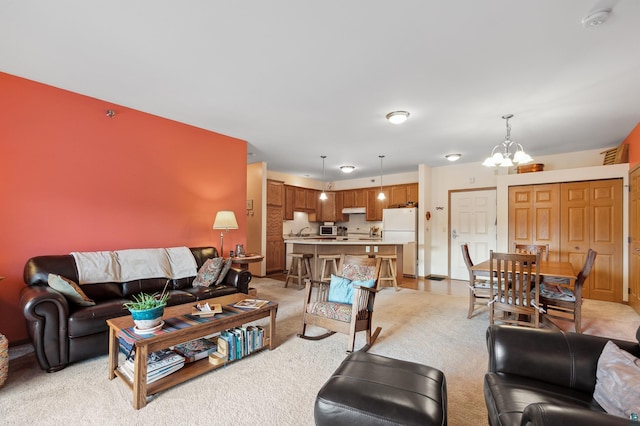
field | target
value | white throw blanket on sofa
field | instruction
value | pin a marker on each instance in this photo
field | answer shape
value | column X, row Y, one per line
column 134, row 264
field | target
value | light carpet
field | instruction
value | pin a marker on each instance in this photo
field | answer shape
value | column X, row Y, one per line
column 279, row 387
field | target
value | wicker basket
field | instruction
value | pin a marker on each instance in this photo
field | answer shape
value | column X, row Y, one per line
column 4, row 359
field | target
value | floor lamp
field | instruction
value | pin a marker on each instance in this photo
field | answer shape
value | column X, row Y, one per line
column 225, row 220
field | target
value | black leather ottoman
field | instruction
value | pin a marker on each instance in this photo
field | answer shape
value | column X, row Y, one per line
column 371, row 389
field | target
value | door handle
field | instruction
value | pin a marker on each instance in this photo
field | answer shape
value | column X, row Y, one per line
column 454, row 234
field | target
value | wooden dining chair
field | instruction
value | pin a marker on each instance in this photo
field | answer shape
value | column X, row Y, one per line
column 563, row 303
column 344, row 305
column 543, row 249
column 515, row 294
column 478, row 285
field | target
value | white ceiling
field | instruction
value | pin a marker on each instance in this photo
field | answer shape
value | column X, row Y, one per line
column 300, row 79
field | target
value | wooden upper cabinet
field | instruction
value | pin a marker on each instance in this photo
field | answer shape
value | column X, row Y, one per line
column 289, row 196
column 354, row 197
column 401, row 195
column 375, row 206
column 300, row 199
column 275, row 192
column 312, row 199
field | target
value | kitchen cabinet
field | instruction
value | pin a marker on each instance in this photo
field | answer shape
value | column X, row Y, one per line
column 401, row 195
column 300, row 199
column 375, row 206
column 289, row 192
column 275, row 250
column 354, row 197
column 330, row 210
column 312, row 199
column 275, row 192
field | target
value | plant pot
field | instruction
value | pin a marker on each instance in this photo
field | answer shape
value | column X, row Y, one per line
column 147, row 318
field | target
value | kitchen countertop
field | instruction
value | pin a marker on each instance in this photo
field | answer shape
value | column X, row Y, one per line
column 347, row 241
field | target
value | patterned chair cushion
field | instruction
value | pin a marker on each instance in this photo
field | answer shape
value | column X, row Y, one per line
column 358, row 272
column 332, row 310
column 558, row 292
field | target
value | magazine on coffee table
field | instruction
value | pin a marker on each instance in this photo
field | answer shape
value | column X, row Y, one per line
column 250, row 303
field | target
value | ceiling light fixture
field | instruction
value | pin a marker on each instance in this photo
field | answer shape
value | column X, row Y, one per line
column 347, row 169
column 453, row 157
column 397, row 117
column 507, row 153
column 381, row 195
column 597, row 18
column 323, row 195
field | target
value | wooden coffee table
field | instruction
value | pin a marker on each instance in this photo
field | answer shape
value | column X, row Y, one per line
column 146, row 344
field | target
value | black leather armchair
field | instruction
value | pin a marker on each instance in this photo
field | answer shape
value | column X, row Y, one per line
column 545, row 377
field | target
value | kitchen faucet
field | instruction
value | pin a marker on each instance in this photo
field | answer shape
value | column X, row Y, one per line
column 299, row 233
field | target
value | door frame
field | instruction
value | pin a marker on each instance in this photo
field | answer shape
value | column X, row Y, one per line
column 451, row 191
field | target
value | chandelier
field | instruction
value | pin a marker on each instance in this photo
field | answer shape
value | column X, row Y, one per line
column 507, row 153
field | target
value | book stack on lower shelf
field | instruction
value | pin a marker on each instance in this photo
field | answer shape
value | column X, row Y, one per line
column 197, row 349
column 159, row 364
column 237, row 343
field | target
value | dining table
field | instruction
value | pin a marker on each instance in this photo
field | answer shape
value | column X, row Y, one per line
column 551, row 271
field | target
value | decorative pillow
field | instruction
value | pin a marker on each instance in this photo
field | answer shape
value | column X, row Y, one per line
column 208, row 273
column 70, row 290
column 223, row 272
column 618, row 381
column 340, row 290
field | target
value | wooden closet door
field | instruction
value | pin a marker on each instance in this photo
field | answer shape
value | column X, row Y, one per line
column 534, row 216
column 592, row 218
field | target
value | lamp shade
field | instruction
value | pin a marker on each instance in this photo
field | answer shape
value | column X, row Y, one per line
column 225, row 219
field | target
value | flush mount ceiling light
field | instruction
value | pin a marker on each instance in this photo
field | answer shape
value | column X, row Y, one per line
column 347, row 169
column 507, row 153
column 597, row 18
column 323, row 195
column 453, row 157
column 397, row 117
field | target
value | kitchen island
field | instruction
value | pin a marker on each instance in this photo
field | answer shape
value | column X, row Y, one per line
column 360, row 246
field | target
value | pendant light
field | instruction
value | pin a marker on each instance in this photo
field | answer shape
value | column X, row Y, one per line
column 507, row 153
column 381, row 194
column 323, row 195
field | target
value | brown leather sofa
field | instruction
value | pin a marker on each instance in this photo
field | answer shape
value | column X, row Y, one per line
column 63, row 332
column 545, row 377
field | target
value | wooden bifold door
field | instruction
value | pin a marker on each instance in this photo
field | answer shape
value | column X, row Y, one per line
column 573, row 217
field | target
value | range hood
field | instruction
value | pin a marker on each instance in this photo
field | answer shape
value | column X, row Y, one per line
column 354, row 210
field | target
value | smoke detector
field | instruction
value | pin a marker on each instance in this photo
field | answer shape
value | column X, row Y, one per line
column 597, row 18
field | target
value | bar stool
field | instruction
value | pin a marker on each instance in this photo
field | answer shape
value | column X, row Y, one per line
column 300, row 268
column 388, row 268
column 328, row 262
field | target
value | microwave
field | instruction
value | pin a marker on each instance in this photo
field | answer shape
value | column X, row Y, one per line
column 328, row 230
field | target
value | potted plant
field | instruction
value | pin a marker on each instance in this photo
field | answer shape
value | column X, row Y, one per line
column 147, row 309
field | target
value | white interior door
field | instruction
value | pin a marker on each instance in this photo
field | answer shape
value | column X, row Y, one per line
column 472, row 218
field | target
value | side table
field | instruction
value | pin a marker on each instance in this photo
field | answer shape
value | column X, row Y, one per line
column 245, row 260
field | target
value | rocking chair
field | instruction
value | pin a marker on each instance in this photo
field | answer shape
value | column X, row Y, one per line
column 344, row 305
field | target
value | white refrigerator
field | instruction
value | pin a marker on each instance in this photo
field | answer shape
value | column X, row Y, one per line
column 401, row 225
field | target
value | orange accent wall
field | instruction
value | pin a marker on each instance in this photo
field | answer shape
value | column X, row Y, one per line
column 72, row 179
column 633, row 140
